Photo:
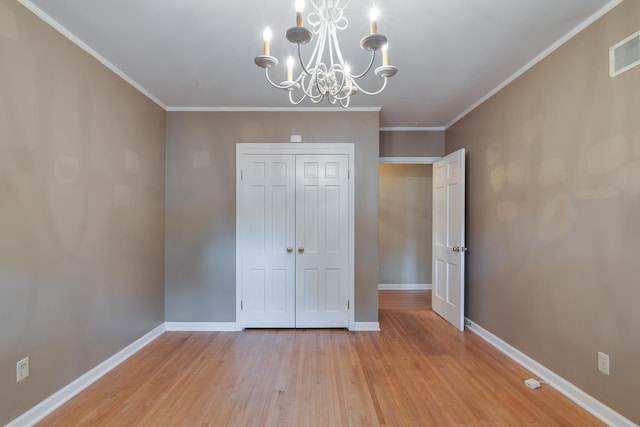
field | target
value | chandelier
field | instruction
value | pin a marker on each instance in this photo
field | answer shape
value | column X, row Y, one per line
column 333, row 79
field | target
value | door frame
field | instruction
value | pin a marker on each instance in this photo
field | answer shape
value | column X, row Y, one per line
column 293, row 149
column 406, row 161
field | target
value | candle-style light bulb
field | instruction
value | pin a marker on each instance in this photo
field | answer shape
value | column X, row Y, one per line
column 385, row 55
column 266, row 35
column 373, row 16
column 289, row 69
column 347, row 73
column 299, row 9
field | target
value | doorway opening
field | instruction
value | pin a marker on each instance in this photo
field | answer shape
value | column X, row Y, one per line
column 405, row 226
column 447, row 238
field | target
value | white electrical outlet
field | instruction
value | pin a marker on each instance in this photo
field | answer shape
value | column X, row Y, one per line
column 22, row 369
column 603, row 363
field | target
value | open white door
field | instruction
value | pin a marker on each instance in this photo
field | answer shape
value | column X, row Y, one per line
column 449, row 249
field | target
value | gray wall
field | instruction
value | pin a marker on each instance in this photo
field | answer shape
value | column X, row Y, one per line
column 412, row 143
column 81, row 211
column 404, row 224
column 553, row 192
column 200, row 194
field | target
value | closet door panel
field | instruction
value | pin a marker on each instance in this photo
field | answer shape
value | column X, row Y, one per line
column 266, row 230
column 322, row 238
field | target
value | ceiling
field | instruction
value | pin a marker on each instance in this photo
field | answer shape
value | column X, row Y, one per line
column 199, row 53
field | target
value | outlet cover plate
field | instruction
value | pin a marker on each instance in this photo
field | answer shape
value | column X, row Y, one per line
column 22, row 369
column 603, row 363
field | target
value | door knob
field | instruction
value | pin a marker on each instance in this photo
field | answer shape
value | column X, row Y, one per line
column 301, row 249
column 289, row 249
column 456, row 249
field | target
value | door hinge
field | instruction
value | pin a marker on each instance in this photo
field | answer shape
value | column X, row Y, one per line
column 348, row 305
column 348, row 174
column 241, row 175
column 240, row 304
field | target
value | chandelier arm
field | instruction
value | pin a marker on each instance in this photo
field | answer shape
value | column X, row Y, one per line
column 379, row 91
column 309, row 93
column 364, row 73
column 334, row 39
column 266, row 73
column 321, row 43
column 316, row 7
column 339, row 66
column 342, row 61
column 344, row 80
column 300, row 79
column 306, row 88
column 312, row 73
column 343, row 97
column 298, row 101
column 313, row 83
column 304, row 67
column 317, row 100
column 278, row 86
column 336, row 5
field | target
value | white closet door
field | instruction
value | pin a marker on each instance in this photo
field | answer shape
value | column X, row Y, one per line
column 322, row 236
column 267, row 240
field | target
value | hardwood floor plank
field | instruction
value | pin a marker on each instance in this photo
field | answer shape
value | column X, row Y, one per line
column 418, row 370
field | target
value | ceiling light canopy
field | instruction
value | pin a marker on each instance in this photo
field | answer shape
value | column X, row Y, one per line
column 326, row 74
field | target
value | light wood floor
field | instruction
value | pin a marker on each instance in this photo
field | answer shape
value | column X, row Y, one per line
column 418, row 371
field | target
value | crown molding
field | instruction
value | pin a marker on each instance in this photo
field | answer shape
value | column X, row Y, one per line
column 275, row 109
column 548, row 51
column 413, row 129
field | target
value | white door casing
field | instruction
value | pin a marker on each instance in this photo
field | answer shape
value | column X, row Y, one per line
column 325, row 278
column 449, row 238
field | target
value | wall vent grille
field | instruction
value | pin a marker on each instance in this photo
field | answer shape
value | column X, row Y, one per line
column 624, row 55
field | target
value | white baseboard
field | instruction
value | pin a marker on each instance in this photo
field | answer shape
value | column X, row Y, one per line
column 202, row 326
column 365, row 327
column 232, row 326
column 53, row 402
column 590, row 404
column 404, row 287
